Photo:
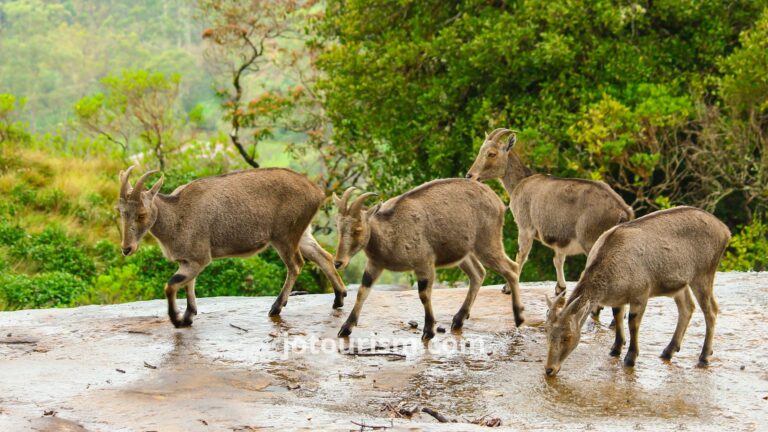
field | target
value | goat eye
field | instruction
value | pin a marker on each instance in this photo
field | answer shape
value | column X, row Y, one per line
column 491, row 154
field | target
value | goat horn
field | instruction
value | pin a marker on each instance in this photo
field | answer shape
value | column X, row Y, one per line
column 344, row 198
column 139, row 187
column 124, row 180
column 357, row 204
column 497, row 134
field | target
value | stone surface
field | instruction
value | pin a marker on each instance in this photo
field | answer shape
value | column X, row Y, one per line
column 236, row 369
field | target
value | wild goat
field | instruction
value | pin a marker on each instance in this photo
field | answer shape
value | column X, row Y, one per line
column 565, row 214
column 231, row 215
column 438, row 224
column 666, row 253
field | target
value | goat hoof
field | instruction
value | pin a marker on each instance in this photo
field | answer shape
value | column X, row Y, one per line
column 668, row 351
column 186, row 321
column 702, row 363
column 615, row 352
column 338, row 302
column 629, row 362
column 276, row 309
column 344, row 331
column 427, row 336
column 506, row 290
column 518, row 313
column 457, row 324
column 176, row 321
column 612, row 325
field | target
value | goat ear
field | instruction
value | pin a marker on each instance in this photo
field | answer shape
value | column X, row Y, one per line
column 551, row 310
column 156, row 187
column 554, row 306
column 511, row 142
column 580, row 315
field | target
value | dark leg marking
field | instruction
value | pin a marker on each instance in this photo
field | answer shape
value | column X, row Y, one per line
column 422, row 284
column 178, row 277
column 429, row 322
column 367, row 279
column 629, row 359
column 518, row 314
column 174, row 316
column 619, row 340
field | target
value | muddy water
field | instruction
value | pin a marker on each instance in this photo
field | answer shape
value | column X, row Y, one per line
column 125, row 367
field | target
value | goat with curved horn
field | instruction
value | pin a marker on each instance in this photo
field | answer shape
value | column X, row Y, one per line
column 235, row 215
column 672, row 253
column 417, row 232
column 566, row 215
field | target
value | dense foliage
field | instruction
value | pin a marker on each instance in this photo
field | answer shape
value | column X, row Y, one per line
column 667, row 101
column 664, row 100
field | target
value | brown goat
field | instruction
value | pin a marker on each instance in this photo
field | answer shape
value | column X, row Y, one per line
column 565, row 214
column 442, row 223
column 666, row 253
column 231, row 215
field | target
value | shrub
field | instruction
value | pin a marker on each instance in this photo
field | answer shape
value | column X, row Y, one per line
column 52, row 289
column 748, row 249
column 53, row 251
column 10, row 234
column 52, row 200
column 121, row 284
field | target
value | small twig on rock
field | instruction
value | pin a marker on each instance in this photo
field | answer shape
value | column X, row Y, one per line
column 239, row 328
column 149, row 366
column 120, row 370
column 364, row 426
column 372, row 354
column 439, row 417
column 18, row 341
column 298, row 293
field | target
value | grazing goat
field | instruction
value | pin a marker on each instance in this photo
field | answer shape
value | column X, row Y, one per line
column 566, row 215
column 666, row 253
column 231, row 215
column 438, row 224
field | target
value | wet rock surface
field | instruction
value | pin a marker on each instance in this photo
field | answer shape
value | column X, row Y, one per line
column 124, row 367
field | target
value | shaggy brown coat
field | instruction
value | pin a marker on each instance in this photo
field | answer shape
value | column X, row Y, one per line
column 231, row 215
column 672, row 253
column 565, row 214
column 442, row 223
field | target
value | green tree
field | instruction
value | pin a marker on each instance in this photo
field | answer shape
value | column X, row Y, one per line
column 242, row 36
column 138, row 111
column 423, row 80
column 11, row 129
